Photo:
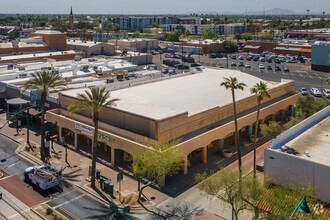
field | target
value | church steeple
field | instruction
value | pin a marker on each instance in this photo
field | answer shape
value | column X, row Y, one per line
column 71, row 24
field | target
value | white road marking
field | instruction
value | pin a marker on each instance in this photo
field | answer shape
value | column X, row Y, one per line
column 309, row 75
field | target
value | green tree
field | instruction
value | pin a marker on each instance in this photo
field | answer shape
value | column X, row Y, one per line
column 309, row 37
column 260, row 90
column 226, row 186
column 272, row 130
column 266, row 37
column 173, row 36
column 155, row 162
column 13, row 34
column 94, row 100
column 154, row 25
column 232, row 46
column 44, row 81
column 209, row 34
column 238, row 36
column 246, row 36
column 187, row 33
column 233, row 84
column 309, row 105
column 136, row 34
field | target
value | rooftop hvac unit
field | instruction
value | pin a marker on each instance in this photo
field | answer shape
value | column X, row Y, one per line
column 21, row 68
column 77, row 58
column 22, row 75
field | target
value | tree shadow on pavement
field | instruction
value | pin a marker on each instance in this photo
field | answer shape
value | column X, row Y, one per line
column 108, row 213
column 174, row 211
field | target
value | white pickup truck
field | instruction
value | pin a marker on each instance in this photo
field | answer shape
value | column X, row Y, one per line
column 43, row 177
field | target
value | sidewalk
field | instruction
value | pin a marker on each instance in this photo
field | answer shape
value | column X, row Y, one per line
column 12, row 208
column 77, row 172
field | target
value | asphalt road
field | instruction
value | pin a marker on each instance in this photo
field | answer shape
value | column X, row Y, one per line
column 64, row 198
column 10, row 162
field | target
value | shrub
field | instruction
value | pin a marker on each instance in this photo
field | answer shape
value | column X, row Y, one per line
column 49, row 211
column 272, row 130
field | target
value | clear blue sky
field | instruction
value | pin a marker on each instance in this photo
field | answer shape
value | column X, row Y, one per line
column 158, row 7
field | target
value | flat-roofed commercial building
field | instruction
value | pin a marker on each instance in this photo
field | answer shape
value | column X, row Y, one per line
column 91, row 48
column 321, row 57
column 301, row 155
column 193, row 108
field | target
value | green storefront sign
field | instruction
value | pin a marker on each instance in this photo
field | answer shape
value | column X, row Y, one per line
column 106, row 138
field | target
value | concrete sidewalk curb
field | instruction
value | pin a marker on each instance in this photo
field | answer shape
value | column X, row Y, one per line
column 37, row 213
column 21, row 153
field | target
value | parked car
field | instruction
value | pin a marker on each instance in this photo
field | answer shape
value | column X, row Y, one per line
column 233, row 63
column 248, row 58
column 213, row 55
column 219, row 55
column 164, row 70
column 269, row 67
column 169, row 55
column 326, row 93
column 146, row 67
column 303, row 91
column 172, row 71
column 255, row 58
column 262, row 59
column 278, row 68
column 261, row 66
column 241, row 57
column 315, row 92
column 247, row 65
column 178, row 66
column 153, row 67
column 195, row 64
column 233, row 56
column 241, row 64
column 269, row 60
column 276, row 60
column 285, row 68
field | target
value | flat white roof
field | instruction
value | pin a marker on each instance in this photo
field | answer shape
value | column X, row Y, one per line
column 193, row 94
column 315, row 141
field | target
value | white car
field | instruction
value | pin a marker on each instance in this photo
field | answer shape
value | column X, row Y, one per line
column 326, row 93
column 261, row 66
column 247, row 65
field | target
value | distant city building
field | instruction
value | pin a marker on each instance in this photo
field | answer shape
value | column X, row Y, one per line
column 139, row 23
column 135, row 44
column 41, row 40
column 321, row 57
column 90, row 48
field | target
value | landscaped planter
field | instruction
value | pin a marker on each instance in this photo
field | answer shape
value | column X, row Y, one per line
column 252, row 138
column 227, row 153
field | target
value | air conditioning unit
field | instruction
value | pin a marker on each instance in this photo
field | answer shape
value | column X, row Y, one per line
column 22, row 75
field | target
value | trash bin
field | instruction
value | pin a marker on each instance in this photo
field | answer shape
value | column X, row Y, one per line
column 98, row 174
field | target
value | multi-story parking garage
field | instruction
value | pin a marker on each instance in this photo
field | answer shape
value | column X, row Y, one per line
column 193, row 108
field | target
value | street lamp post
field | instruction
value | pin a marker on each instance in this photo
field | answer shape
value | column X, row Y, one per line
column 302, row 206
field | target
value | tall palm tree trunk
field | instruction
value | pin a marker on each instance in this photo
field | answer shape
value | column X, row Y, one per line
column 42, row 126
column 255, row 143
column 236, row 135
column 94, row 147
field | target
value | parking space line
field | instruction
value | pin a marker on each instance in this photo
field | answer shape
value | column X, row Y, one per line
column 309, row 75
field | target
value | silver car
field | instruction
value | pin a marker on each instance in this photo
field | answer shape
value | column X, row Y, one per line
column 326, row 93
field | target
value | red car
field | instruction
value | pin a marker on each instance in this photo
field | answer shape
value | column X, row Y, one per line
column 248, row 58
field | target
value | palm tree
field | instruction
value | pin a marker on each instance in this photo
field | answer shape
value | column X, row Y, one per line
column 44, row 81
column 93, row 100
column 260, row 89
column 232, row 83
